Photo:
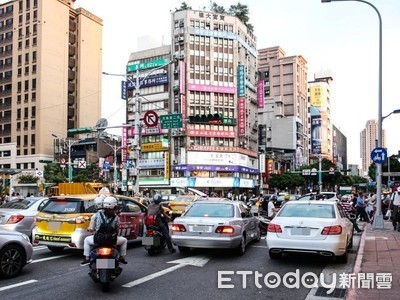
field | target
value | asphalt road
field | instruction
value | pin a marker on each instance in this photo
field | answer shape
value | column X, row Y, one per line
column 165, row 276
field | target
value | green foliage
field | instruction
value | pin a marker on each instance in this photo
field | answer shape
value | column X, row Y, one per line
column 27, row 178
column 90, row 174
column 53, row 173
column 286, row 181
column 184, row 6
column 242, row 12
column 217, row 8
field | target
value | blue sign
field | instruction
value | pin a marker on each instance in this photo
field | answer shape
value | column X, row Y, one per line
column 153, row 80
column 123, row 90
column 241, row 81
column 379, row 155
column 106, row 166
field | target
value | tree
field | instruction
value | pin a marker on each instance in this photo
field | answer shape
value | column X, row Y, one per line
column 53, row 173
column 90, row 174
column 27, row 178
column 217, row 8
column 184, row 6
column 286, row 180
column 242, row 12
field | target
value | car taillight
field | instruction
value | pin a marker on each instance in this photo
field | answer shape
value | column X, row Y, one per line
column 104, row 251
column 150, row 232
column 178, row 228
column 225, row 229
column 15, row 219
column 332, row 230
column 274, row 228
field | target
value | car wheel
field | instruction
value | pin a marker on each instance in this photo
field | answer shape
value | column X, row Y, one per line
column 351, row 243
column 258, row 238
column 241, row 249
column 342, row 258
column 183, row 249
column 12, row 260
column 275, row 255
column 151, row 252
column 55, row 249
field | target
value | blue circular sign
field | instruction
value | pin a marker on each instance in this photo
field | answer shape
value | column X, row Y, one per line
column 379, row 155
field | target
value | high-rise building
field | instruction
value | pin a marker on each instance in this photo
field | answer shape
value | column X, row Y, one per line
column 368, row 141
column 213, row 85
column 320, row 130
column 339, row 149
column 50, row 77
column 283, row 108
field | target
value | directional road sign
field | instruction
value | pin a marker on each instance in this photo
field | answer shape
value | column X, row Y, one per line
column 171, row 121
column 379, row 155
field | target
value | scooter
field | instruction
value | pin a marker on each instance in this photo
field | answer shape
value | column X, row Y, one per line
column 153, row 240
column 104, row 266
column 264, row 222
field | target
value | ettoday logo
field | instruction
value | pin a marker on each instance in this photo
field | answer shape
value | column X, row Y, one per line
column 291, row 280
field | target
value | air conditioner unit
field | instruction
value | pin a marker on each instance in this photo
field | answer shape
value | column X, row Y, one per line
column 131, row 109
column 181, row 39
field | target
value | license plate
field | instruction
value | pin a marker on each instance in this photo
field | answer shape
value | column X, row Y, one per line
column 104, row 263
column 151, row 241
column 300, row 231
column 200, row 228
column 54, row 225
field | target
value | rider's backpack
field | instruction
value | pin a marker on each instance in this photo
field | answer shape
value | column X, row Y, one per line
column 106, row 235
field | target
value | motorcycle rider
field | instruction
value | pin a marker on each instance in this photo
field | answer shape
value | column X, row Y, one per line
column 109, row 211
column 155, row 209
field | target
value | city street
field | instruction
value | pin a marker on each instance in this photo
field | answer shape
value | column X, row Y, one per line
column 169, row 276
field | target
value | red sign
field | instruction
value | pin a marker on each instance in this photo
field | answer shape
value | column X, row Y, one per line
column 151, row 118
column 242, row 116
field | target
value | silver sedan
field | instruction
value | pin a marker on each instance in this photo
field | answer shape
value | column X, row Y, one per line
column 19, row 215
column 15, row 252
column 216, row 224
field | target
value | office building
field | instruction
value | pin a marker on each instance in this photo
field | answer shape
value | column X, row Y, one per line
column 50, row 77
column 283, row 108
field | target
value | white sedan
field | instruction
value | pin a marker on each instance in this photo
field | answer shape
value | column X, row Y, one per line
column 318, row 227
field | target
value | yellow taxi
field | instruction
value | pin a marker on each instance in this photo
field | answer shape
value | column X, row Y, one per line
column 179, row 204
column 63, row 221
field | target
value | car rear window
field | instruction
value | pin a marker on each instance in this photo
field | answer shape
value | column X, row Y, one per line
column 184, row 199
column 64, row 206
column 212, row 210
column 18, row 204
column 308, row 211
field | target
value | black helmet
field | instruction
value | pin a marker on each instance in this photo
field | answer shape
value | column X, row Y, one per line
column 157, row 198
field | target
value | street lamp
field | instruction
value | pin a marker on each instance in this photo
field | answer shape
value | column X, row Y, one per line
column 68, row 143
column 138, row 107
column 396, row 111
column 378, row 219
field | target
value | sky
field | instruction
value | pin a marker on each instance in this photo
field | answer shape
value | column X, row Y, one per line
column 341, row 37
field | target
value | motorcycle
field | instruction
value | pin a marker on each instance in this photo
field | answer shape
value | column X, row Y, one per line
column 264, row 222
column 104, row 266
column 153, row 240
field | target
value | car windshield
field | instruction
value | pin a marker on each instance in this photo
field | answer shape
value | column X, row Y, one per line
column 211, row 210
column 325, row 211
column 63, row 207
column 18, row 204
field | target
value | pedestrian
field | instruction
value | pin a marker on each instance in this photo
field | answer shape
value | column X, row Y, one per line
column 360, row 206
column 350, row 211
column 395, row 213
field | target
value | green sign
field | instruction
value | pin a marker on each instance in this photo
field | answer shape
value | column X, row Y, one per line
column 146, row 65
column 171, row 121
column 80, row 130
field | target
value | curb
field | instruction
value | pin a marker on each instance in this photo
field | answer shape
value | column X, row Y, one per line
column 351, row 293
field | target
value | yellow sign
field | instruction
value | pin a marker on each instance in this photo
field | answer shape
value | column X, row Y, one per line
column 317, row 95
column 153, row 147
column 167, row 169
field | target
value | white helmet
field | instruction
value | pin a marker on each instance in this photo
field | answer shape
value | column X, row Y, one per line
column 98, row 201
column 110, row 202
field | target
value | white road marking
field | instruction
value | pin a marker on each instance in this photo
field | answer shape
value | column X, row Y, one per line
column 198, row 261
column 37, row 248
column 49, row 258
column 255, row 246
column 11, row 286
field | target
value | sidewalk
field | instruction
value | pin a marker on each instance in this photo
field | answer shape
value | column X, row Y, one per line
column 379, row 252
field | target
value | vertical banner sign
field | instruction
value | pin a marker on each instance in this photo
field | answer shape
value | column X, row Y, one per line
column 241, row 117
column 182, row 84
column 270, row 166
column 167, row 169
column 241, row 81
column 262, row 163
column 124, row 94
column 316, row 101
column 260, row 93
column 124, row 142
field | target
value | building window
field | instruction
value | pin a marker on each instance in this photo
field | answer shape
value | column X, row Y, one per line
column 33, row 111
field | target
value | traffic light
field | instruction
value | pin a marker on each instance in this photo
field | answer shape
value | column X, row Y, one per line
column 207, row 119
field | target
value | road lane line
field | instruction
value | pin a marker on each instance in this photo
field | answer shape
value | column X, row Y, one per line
column 11, row 286
column 49, row 258
column 152, row 276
